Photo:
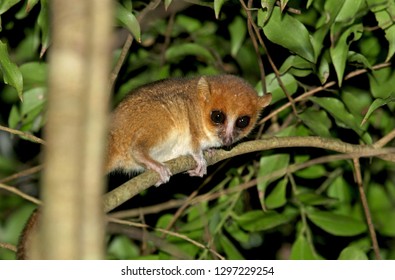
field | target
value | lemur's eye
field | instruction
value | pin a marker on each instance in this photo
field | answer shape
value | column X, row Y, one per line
column 218, row 117
column 243, row 122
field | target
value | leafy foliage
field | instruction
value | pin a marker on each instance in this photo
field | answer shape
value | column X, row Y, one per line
column 338, row 51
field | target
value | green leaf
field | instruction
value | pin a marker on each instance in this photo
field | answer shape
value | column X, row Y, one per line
column 340, row 190
column 343, row 118
column 382, row 83
column 336, row 224
column 317, row 121
column 375, row 105
column 259, row 220
column 217, row 7
column 5, row 5
column 339, row 52
column 277, row 197
column 268, row 165
column 266, row 11
column 290, row 33
column 14, row 118
column 43, row 23
column 296, row 66
column 273, row 86
column 237, row 30
column 236, row 232
column 356, row 101
column 122, row 248
column 358, row 60
column 34, row 74
column 11, row 73
column 382, row 209
column 352, row 253
column 385, row 19
column 128, row 20
column 178, row 52
column 230, row 250
column 312, row 172
column 188, row 23
column 302, row 249
column 323, row 69
column 349, row 11
column 33, row 98
column 311, row 199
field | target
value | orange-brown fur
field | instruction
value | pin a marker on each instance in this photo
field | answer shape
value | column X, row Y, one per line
column 168, row 118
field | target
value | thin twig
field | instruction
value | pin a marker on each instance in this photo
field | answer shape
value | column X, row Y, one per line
column 167, row 232
column 256, row 47
column 324, row 87
column 28, row 136
column 8, row 246
column 385, row 140
column 272, row 64
column 22, row 173
column 21, row 194
column 366, row 209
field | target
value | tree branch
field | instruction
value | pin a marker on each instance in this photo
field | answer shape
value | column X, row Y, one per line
column 145, row 180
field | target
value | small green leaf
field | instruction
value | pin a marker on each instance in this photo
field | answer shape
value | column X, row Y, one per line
column 217, row 7
column 312, row 172
column 375, row 105
column 33, row 98
column 385, row 19
column 339, row 52
column 323, row 69
column 259, row 220
column 382, row 83
column 14, row 118
column 34, row 74
column 302, row 249
column 274, row 88
column 358, row 59
column 317, row 121
column 352, row 253
column 266, row 11
column 7, row 4
column 128, row 20
column 286, row 31
column 340, row 190
column 343, row 118
column 382, row 209
column 11, row 73
column 348, row 11
column 178, row 52
column 230, row 249
column 43, row 23
column 268, row 165
column 296, row 66
column 236, row 232
column 336, row 224
column 277, row 197
column 237, row 30
column 356, row 101
column 311, row 199
column 122, row 248
column 188, row 23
